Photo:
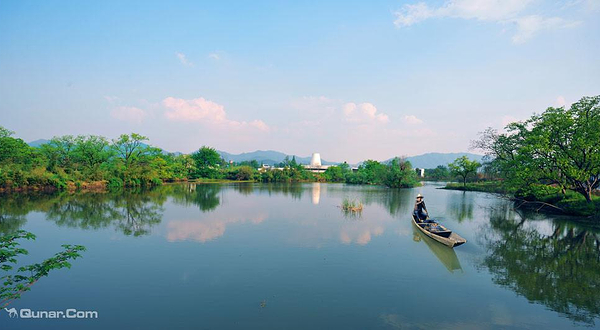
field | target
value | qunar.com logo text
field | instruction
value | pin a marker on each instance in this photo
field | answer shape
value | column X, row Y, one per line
column 69, row 313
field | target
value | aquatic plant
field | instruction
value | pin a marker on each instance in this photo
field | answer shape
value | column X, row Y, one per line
column 351, row 205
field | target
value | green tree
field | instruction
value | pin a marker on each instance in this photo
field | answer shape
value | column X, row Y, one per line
column 21, row 280
column 400, row 174
column 13, row 150
column 208, row 162
column 560, row 146
column 463, row 167
column 438, row 174
column 91, row 152
column 335, row 174
column 4, row 132
column 131, row 152
column 59, row 152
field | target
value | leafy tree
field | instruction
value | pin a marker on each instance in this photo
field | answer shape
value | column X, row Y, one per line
column 370, row 172
column 560, row 146
column 131, row 152
column 439, row 173
column 91, row 152
column 334, row 174
column 15, row 284
column 59, row 152
column 463, row 167
column 13, row 150
column 130, row 147
column 4, row 132
column 208, row 162
column 400, row 174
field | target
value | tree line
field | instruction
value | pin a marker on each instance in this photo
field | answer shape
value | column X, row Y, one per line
column 70, row 161
column 88, row 161
column 551, row 159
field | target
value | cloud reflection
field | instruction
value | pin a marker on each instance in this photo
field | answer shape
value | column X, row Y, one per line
column 205, row 230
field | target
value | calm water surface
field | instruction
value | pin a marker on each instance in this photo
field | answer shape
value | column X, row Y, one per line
column 239, row 256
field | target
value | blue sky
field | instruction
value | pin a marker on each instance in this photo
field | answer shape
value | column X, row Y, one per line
column 351, row 80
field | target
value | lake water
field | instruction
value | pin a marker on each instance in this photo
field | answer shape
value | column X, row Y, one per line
column 242, row 256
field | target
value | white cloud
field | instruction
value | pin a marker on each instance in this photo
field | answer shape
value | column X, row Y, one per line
column 363, row 113
column 529, row 26
column 499, row 11
column 560, row 101
column 130, row 114
column 412, row 120
column 202, row 110
column 111, row 99
column 214, row 56
column 183, row 59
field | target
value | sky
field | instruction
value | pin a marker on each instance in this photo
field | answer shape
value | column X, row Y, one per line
column 352, row 80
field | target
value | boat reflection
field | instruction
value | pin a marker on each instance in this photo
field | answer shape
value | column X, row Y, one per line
column 445, row 255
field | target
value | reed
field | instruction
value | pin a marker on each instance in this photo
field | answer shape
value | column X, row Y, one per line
column 351, row 205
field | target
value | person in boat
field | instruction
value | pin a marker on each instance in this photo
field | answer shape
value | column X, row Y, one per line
column 420, row 211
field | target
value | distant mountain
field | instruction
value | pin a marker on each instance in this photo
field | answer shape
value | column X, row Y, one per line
column 38, row 143
column 434, row 159
column 266, row 157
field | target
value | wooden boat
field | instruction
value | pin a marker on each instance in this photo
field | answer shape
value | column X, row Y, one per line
column 438, row 232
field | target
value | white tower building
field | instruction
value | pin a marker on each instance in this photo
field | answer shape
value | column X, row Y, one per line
column 315, row 161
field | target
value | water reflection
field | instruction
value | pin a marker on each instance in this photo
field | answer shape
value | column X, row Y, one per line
column 461, row 204
column 12, row 214
column 130, row 213
column 445, row 255
column 559, row 269
column 205, row 196
column 316, row 193
column 553, row 263
column 206, row 229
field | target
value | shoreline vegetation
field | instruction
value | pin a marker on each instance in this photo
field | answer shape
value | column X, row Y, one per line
column 551, row 201
column 94, row 163
column 549, row 162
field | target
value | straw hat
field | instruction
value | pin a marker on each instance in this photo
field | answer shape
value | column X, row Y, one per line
column 419, row 196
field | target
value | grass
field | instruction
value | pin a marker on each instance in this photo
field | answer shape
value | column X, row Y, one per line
column 483, row 186
column 205, row 180
column 570, row 203
column 351, row 206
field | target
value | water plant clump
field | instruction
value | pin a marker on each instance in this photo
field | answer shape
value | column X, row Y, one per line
column 351, row 205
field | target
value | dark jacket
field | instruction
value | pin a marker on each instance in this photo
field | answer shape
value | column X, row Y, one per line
column 420, row 207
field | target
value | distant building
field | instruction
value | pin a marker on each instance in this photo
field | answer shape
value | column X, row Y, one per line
column 315, row 160
column 420, row 172
column 315, row 164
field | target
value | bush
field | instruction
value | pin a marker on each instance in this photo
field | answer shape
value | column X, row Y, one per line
column 115, row 183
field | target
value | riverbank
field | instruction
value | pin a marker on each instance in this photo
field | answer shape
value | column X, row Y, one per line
column 570, row 203
column 486, row 186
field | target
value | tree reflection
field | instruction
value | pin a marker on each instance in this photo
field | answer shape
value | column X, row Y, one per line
column 293, row 190
column 131, row 213
column 560, row 270
column 461, row 205
column 15, row 207
column 205, row 196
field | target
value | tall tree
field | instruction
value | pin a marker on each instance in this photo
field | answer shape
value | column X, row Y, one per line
column 13, row 150
column 207, row 161
column 90, row 152
column 131, row 150
column 463, row 167
column 560, row 146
